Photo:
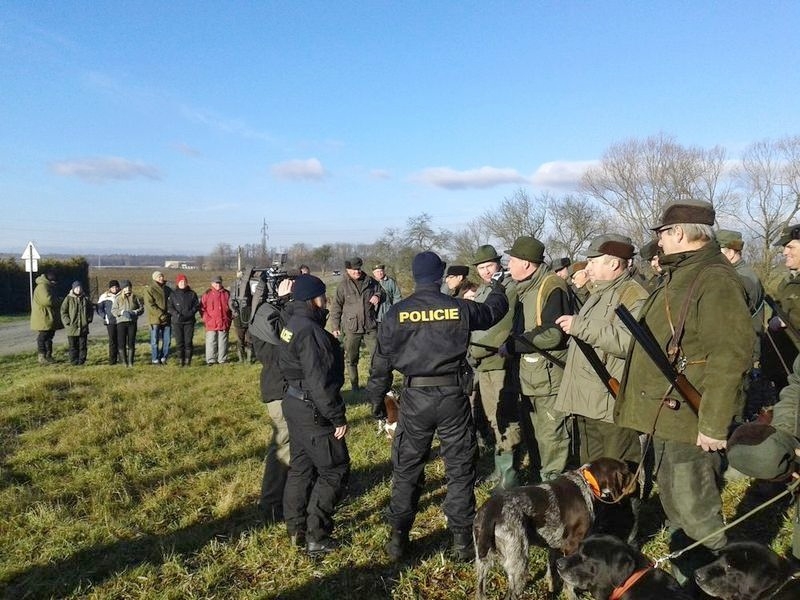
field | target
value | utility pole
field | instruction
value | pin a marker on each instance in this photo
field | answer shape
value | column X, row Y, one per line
column 264, row 238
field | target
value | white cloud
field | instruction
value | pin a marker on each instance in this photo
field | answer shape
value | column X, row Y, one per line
column 484, row 177
column 102, row 169
column 561, row 174
column 299, row 170
column 380, row 174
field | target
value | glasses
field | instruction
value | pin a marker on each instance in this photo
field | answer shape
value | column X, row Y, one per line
column 664, row 230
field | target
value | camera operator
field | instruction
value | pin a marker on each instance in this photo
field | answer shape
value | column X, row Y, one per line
column 264, row 329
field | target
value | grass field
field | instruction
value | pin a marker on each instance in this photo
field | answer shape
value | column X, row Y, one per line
column 142, row 483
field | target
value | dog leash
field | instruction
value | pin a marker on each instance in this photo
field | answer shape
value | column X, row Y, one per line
column 790, row 579
column 673, row 555
column 620, row 590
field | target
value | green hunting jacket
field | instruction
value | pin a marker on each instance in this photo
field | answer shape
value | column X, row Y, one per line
column 486, row 359
column 538, row 376
column 717, row 345
column 45, row 314
column 76, row 314
column 582, row 391
column 155, row 299
column 786, row 412
column 788, row 297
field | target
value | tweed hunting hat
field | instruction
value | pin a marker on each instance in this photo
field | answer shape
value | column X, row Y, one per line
column 763, row 452
column 687, row 211
column 788, row 233
column 611, row 243
column 353, row 263
column 575, row 267
column 561, row 263
column 650, row 250
column 485, row 253
column 457, row 270
column 527, row 248
column 727, row 238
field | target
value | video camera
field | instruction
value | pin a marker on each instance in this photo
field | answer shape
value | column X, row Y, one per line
column 260, row 285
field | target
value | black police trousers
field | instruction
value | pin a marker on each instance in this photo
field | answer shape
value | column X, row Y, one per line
column 319, row 466
column 426, row 411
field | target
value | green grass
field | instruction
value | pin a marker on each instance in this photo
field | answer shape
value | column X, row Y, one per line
column 6, row 319
column 142, row 483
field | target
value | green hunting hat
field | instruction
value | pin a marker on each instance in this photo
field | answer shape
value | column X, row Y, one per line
column 763, row 452
column 485, row 253
column 687, row 211
column 527, row 248
column 611, row 243
column 727, row 238
column 788, row 233
column 650, row 250
column 561, row 263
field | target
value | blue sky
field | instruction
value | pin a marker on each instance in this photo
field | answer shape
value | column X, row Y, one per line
column 173, row 126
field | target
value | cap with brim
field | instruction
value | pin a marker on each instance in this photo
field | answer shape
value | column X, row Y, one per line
column 485, row 253
column 561, row 263
column 727, row 238
column 380, row 266
column 649, row 250
column 699, row 212
column 457, row 270
column 216, row 279
column 761, row 451
column 353, row 263
column 611, row 243
column 788, row 233
column 527, row 248
column 575, row 267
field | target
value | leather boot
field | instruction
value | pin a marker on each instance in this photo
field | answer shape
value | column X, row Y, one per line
column 463, row 548
column 353, row 373
column 42, row 359
column 507, row 478
column 397, row 546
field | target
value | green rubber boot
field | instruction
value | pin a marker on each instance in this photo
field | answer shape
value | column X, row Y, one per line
column 507, row 478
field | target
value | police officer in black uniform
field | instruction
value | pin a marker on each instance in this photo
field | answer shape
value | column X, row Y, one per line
column 425, row 337
column 312, row 363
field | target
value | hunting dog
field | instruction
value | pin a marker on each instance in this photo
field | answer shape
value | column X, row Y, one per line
column 609, row 569
column 556, row 515
column 747, row 570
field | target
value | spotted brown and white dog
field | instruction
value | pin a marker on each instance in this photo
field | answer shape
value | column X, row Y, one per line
column 557, row 515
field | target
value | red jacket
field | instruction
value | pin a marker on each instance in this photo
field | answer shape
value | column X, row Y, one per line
column 214, row 308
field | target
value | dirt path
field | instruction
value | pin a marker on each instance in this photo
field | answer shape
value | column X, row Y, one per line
column 17, row 337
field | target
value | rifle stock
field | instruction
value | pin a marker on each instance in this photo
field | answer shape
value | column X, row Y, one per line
column 689, row 392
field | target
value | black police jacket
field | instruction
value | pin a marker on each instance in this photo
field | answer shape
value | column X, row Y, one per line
column 311, row 359
column 427, row 334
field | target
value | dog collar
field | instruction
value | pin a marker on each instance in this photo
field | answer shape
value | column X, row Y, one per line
column 591, row 481
column 628, row 584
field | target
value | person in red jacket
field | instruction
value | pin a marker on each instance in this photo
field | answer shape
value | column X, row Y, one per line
column 217, row 317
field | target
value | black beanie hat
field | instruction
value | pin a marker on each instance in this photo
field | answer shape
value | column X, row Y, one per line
column 113, row 283
column 427, row 267
column 307, row 287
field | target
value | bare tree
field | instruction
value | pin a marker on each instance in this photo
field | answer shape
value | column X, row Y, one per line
column 516, row 216
column 769, row 186
column 573, row 222
column 464, row 242
column 222, row 257
column 637, row 178
column 420, row 235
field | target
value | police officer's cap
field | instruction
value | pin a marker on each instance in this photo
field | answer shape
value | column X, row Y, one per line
column 614, row 244
column 353, row 263
column 687, row 211
column 307, row 287
column 761, row 451
column 561, row 263
column 427, row 267
column 485, row 253
column 527, row 248
column 650, row 250
column 789, row 233
column 726, row 238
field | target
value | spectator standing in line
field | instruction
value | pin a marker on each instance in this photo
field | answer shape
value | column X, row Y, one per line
column 215, row 308
column 238, row 305
column 455, row 279
column 183, row 305
column 103, row 309
column 390, row 289
column 127, row 308
column 304, row 270
column 76, row 314
column 354, row 313
column 155, row 299
column 45, row 316
column 561, row 268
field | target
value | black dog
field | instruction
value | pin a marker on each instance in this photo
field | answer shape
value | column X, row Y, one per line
column 748, row 571
column 608, row 568
column 556, row 515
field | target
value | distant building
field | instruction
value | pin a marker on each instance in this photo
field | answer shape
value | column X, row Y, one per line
column 180, row 264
